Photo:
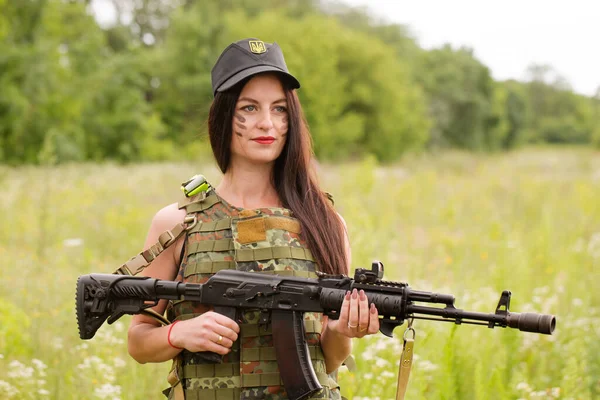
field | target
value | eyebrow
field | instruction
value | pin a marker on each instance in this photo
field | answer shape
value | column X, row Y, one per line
column 248, row 99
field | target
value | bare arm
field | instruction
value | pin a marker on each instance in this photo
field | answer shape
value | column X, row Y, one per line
column 356, row 320
column 147, row 339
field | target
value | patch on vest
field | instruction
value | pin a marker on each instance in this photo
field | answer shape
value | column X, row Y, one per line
column 252, row 230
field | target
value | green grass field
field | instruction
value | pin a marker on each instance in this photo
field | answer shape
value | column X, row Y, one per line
column 469, row 225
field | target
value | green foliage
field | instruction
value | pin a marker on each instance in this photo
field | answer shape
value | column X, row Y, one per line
column 558, row 114
column 15, row 341
column 140, row 88
column 460, row 91
column 358, row 97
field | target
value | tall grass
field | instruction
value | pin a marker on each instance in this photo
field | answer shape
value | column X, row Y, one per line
column 468, row 225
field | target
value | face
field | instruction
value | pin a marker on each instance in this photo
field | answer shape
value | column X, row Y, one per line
column 260, row 122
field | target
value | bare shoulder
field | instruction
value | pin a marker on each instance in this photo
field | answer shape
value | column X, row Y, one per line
column 167, row 217
column 343, row 221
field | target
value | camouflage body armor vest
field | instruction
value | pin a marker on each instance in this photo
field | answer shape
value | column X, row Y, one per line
column 266, row 240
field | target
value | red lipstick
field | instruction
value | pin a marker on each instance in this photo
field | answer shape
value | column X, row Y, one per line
column 264, row 139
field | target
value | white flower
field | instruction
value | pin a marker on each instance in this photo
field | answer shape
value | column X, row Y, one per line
column 97, row 365
column 43, row 392
column 381, row 362
column 387, row 374
column 74, row 242
column 119, row 327
column 57, row 343
column 427, row 366
column 119, row 362
column 8, row 390
column 594, row 245
column 40, row 366
column 82, row 346
column 577, row 302
column 108, row 391
column 19, row 370
column 523, row 386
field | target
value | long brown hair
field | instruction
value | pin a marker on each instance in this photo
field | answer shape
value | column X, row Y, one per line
column 294, row 178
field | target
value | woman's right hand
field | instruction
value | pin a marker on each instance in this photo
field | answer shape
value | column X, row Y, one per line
column 210, row 331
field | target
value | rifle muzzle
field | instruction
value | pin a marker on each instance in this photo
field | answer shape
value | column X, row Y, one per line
column 532, row 322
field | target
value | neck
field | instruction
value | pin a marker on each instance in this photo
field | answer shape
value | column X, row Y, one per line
column 249, row 186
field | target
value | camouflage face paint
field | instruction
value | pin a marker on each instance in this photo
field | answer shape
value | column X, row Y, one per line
column 284, row 125
column 239, row 123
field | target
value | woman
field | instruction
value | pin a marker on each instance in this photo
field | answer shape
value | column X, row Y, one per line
column 268, row 199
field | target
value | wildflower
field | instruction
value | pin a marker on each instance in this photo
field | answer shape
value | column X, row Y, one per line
column 19, row 370
column 427, row 366
column 594, row 245
column 523, row 386
column 74, row 242
column 40, row 366
column 96, row 365
column 108, row 391
column 8, row 390
column 119, row 327
column 57, row 343
column 82, row 346
column 381, row 362
column 119, row 362
column 577, row 302
column 387, row 374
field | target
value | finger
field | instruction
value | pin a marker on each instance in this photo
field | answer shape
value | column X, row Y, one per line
column 226, row 332
column 209, row 345
column 353, row 318
column 225, row 321
column 363, row 311
column 345, row 310
column 373, row 320
column 222, row 340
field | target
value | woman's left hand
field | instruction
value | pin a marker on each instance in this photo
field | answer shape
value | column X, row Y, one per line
column 357, row 319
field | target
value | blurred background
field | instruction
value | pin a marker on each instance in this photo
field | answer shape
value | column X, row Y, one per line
column 459, row 139
column 129, row 80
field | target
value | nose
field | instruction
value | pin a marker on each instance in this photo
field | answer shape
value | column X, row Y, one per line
column 265, row 122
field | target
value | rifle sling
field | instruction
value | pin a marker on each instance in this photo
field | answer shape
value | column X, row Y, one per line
column 138, row 263
column 404, row 368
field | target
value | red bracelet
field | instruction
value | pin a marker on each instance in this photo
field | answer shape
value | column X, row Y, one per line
column 169, row 336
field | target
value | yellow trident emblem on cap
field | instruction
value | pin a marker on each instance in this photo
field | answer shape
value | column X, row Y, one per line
column 257, row 46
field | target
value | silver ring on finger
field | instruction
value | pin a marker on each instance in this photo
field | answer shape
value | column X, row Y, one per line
column 352, row 326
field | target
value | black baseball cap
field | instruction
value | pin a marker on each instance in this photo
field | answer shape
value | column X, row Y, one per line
column 248, row 57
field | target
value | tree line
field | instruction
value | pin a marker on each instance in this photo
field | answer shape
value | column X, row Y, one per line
column 139, row 89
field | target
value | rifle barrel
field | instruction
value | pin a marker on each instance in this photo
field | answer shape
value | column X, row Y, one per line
column 526, row 322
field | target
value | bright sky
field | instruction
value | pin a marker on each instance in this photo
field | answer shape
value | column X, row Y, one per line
column 508, row 35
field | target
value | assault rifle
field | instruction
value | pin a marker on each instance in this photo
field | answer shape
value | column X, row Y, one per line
column 282, row 301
